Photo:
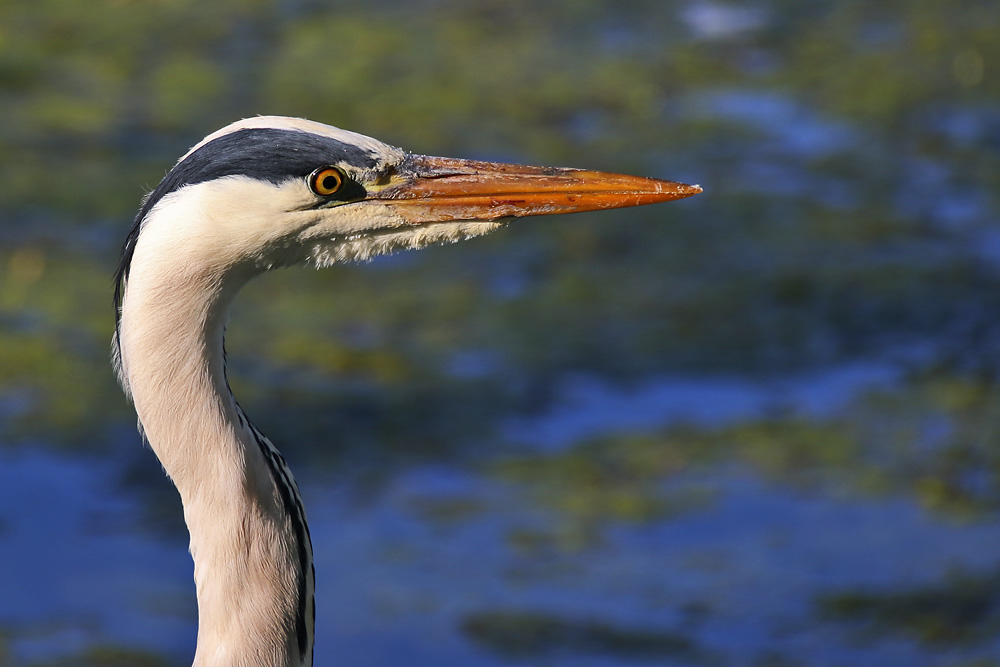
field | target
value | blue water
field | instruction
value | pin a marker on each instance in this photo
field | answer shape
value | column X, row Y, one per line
column 737, row 575
column 587, row 407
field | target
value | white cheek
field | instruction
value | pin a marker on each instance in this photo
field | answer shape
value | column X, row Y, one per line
column 227, row 222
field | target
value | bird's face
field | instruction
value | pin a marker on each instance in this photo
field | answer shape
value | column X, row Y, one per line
column 271, row 191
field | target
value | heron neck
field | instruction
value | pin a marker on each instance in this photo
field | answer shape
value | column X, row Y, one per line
column 249, row 541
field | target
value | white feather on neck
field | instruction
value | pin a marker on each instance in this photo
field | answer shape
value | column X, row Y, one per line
column 247, row 560
column 196, row 250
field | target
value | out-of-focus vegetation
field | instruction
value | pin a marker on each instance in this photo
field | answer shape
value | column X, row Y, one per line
column 850, row 153
column 107, row 656
column 519, row 635
column 966, row 608
column 933, row 442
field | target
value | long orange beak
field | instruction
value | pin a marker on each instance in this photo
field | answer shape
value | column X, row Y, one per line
column 437, row 189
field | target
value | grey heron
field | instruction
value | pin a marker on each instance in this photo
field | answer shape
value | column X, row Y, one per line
column 259, row 194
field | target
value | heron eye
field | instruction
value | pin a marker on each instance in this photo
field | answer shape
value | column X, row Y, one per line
column 326, row 181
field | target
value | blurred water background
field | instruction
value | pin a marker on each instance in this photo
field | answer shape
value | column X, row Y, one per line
column 755, row 427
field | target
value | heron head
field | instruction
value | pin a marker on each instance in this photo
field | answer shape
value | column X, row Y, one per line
column 272, row 191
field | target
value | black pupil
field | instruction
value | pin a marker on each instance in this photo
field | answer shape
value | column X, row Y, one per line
column 330, row 182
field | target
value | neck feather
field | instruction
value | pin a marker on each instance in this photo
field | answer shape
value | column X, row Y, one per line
column 249, row 539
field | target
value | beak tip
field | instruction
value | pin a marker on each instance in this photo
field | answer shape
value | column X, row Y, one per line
column 683, row 190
